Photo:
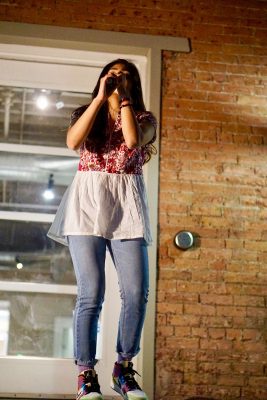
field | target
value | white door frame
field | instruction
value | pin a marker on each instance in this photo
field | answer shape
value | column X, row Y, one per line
column 122, row 43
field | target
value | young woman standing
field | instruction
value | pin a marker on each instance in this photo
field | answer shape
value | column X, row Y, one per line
column 104, row 208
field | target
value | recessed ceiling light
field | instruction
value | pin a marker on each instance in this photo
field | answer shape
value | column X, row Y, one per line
column 42, row 102
column 49, row 194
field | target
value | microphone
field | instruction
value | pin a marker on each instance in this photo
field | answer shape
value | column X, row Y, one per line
column 111, row 82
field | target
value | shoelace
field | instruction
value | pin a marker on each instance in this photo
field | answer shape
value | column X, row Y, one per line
column 128, row 375
column 90, row 383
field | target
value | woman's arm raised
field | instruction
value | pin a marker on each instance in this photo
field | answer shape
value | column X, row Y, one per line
column 135, row 134
column 77, row 133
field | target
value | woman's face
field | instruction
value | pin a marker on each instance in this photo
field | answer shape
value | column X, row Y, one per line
column 120, row 70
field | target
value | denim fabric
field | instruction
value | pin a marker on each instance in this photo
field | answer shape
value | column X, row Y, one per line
column 131, row 262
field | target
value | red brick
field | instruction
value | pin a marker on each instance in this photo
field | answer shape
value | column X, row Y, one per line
column 161, row 319
column 258, row 381
column 256, row 245
column 245, row 300
column 216, row 299
column 234, row 243
column 192, row 287
column 230, row 311
column 165, row 331
column 184, row 320
column 249, row 347
column 233, row 334
column 251, row 334
column 231, row 380
column 216, row 333
column 167, row 285
column 199, row 309
column 256, row 312
column 200, row 332
column 198, row 379
column 182, row 331
column 182, row 297
column 215, row 344
column 170, row 308
column 248, row 368
column 182, row 343
column 254, row 393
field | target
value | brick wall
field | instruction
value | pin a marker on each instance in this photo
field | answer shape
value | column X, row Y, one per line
column 211, row 300
column 211, row 322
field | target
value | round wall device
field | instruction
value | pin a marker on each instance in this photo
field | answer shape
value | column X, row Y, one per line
column 184, row 240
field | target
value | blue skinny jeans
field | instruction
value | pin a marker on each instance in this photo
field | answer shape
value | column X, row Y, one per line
column 130, row 258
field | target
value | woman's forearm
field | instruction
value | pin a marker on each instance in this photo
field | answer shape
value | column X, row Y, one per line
column 77, row 134
column 135, row 134
column 131, row 130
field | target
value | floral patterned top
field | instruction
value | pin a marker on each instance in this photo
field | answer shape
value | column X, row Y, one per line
column 114, row 156
column 107, row 196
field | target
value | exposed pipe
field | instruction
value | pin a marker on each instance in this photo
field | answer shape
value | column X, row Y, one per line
column 22, row 118
column 4, row 191
column 7, row 97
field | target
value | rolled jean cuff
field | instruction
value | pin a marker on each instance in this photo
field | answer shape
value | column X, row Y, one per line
column 89, row 363
column 126, row 357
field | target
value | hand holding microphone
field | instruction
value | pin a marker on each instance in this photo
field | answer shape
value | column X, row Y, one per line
column 117, row 82
column 109, row 83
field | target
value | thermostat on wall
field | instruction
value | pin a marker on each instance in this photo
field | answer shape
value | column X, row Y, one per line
column 184, row 240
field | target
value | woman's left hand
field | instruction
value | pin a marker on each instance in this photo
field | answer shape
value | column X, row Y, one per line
column 123, row 86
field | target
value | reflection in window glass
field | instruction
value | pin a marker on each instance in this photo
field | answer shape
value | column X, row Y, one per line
column 34, row 325
column 28, row 255
column 26, row 178
column 4, row 326
column 40, row 325
column 37, row 116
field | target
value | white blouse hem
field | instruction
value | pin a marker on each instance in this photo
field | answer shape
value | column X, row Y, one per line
column 113, row 206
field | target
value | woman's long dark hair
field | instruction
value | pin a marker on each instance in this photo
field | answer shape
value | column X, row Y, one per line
column 98, row 133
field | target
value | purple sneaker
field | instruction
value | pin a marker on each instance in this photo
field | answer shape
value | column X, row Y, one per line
column 88, row 386
column 123, row 382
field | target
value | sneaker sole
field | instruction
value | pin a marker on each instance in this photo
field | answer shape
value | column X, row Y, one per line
column 117, row 389
column 92, row 396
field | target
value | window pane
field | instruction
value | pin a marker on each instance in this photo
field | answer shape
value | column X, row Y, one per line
column 37, row 324
column 28, row 255
column 37, row 116
column 25, row 179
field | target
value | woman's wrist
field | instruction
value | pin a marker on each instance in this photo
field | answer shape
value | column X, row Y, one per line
column 125, row 100
column 99, row 101
column 125, row 104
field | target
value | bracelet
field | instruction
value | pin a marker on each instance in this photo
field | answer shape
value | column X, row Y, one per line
column 126, row 105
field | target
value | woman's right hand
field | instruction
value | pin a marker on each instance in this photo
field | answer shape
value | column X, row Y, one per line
column 105, row 90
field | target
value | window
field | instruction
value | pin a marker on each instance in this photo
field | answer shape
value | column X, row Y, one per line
column 33, row 124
